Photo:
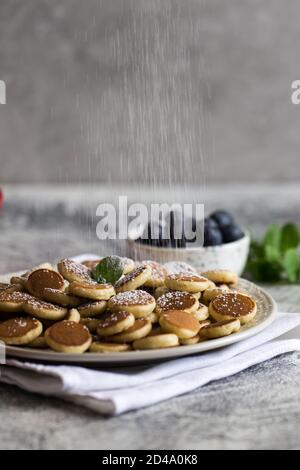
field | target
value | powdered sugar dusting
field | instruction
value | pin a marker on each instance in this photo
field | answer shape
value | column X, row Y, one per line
column 132, row 297
column 176, row 301
column 176, row 267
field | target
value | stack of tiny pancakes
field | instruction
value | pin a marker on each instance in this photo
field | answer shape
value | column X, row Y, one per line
column 65, row 309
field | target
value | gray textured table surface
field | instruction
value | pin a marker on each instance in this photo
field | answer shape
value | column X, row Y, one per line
column 258, row 408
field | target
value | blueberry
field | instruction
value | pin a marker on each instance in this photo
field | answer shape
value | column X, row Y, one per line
column 232, row 233
column 223, row 218
column 212, row 237
column 210, row 223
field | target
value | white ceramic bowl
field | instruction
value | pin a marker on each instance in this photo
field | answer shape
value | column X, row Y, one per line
column 231, row 256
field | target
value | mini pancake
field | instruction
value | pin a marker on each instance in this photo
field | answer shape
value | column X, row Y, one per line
column 233, row 305
column 137, row 302
column 159, row 291
column 189, row 341
column 158, row 274
column 134, row 279
column 112, row 323
column 105, row 347
column 69, row 337
column 3, row 286
column 219, row 329
column 92, row 308
column 13, row 301
column 222, row 276
column 159, row 341
column 211, row 294
column 181, row 323
column 177, row 301
column 19, row 280
column 61, row 298
column 19, row 331
column 177, row 267
column 128, row 264
column 73, row 315
column 72, row 271
column 90, row 323
column 153, row 317
column 140, row 329
column 186, row 282
column 11, row 288
column 202, row 313
column 46, row 310
column 204, row 323
column 92, row 290
column 44, row 278
column 38, row 343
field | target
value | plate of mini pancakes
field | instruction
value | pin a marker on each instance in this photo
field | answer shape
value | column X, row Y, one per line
column 153, row 312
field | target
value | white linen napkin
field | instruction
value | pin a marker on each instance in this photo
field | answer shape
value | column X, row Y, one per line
column 115, row 391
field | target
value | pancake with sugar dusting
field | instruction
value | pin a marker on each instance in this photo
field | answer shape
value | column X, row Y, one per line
column 13, row 301
column 92, row 308
column 72, row 271
column 222, row 276
column 69, row 337
column 61, row 298
column 19, row 331
column 112, row 323
column 91, row 290
column 134, row 279
column 177, row 267
column 139, row 329
column 137, row 302
column 177, row 300
column 158, row 274
column 41, row 279
column 187, row 282
column 211, row 293
column 46, row 310
column 232, row 305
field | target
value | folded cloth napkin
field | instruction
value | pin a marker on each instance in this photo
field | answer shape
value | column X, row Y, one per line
column 114, row 391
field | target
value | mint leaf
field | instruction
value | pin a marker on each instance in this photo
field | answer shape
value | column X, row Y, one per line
column 109, row 270
column 272, row 236
column 290, row 263
column 290, row 237
column 272, row 254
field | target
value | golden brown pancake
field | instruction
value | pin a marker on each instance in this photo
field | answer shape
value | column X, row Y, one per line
column 41, row 279
column 233, row 305
column 20, row 330
column 183, row 324
column 177, row 300
column 73, row 271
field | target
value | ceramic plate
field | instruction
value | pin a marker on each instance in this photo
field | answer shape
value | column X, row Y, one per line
column 266, row 312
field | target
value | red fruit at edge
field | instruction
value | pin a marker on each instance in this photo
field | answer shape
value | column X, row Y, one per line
column 1, row 199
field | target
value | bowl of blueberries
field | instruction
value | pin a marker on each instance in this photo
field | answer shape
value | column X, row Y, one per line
column 224, row 245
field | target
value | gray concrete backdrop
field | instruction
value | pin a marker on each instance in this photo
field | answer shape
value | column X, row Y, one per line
column 149, row 90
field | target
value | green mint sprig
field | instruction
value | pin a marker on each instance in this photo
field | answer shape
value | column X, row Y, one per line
column 276, row 257
column 109, row 270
